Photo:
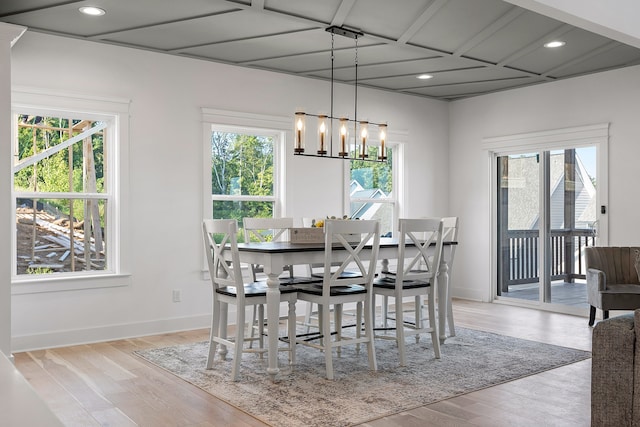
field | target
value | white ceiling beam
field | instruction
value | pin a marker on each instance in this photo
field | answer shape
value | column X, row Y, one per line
column 558, row 32
column 490, row 30
column 343, row 11
column 595, row 52
column 257, row 4
column 424, row 17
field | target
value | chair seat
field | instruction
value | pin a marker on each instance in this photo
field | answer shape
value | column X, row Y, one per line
column 393, row 273
column 288, row 281
column 316, row 289
column 390, row 283
column 343, row 275
column 622, row 289
column 253, row 289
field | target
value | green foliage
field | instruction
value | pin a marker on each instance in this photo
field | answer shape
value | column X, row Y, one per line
column 39, row 270
column 241, row 165
column 51, row 174
column 241, row 209
column 372, row 175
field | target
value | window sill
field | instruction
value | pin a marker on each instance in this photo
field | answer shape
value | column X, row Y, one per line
column 68, row 283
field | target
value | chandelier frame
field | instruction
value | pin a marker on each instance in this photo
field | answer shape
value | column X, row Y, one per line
column 361, row 151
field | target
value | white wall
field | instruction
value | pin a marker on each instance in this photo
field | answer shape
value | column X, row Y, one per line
column 165, row 203
column 9, row 34
column 612, row 97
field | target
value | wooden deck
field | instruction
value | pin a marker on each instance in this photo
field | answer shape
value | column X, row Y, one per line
column 569, row 294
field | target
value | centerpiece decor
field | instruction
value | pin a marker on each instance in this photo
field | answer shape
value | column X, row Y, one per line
column 315, row 232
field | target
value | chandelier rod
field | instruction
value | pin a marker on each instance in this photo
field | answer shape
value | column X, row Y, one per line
column 300, row 126
column 355, row 97
column 331, row 108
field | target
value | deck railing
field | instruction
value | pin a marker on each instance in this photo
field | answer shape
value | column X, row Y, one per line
column 567, row 255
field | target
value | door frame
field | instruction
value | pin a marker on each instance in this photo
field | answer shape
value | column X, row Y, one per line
column 574, row 137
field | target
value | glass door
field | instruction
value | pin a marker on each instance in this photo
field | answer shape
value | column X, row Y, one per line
column 546, row 217
column 518, row 226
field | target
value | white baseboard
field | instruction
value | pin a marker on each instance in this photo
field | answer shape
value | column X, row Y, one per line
column 469, row 294
column 107, row 333
column 53, row 339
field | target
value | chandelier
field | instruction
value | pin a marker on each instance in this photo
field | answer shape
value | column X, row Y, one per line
column 328, row 125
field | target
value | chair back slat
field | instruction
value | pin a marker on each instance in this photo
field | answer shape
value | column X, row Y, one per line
column 259, row 229
column 223, row 258
column 421, row 233
column 339, row 239
column 450, row 229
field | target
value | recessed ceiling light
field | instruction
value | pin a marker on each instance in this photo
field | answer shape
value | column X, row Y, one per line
column 92, row 10
column 555, row 43
column 425, row 76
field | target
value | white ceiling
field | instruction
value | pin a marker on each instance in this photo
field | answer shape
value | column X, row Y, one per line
column 470, row 47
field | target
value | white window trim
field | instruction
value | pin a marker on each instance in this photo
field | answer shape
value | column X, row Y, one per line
column 41, row 101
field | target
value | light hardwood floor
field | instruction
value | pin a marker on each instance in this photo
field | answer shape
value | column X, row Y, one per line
column 105, row 384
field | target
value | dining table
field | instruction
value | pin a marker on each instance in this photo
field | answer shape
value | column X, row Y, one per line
column 273, row 256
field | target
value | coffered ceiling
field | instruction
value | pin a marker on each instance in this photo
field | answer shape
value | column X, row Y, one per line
column 468, row 47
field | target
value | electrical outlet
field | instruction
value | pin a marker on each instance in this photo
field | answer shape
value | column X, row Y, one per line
column 177, row 295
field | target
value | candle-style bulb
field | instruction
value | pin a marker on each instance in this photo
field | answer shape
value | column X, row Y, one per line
column 299, row 132
column 343, row 138
column 322, row 131
column 383, row 138
column 363, row 136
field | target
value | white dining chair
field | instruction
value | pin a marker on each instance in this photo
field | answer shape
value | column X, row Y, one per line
column 337, row 289
column 269, row 230
column 450, row 234
column 316, row 272
column 415, row 276
column 229, row 288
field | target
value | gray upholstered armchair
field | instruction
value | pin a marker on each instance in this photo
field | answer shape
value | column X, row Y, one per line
column 615, row 398
column 612, row 279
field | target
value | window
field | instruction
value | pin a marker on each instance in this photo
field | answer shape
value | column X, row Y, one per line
column 65, row 189
column 242, row 179
column 243, row 162
column 371, row 191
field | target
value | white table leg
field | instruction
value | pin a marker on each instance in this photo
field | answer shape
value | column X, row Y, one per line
column 443, row 295
column 384, row 309
column 273, row 320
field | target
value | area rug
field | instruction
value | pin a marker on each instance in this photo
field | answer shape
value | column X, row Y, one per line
column 470, row 361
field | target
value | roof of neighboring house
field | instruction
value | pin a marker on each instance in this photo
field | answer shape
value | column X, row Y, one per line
column 524, row 192
column 360, row 209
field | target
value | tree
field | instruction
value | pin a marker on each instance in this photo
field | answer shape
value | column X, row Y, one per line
column 51, row 174
column 373, row 175
column 241, row 165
